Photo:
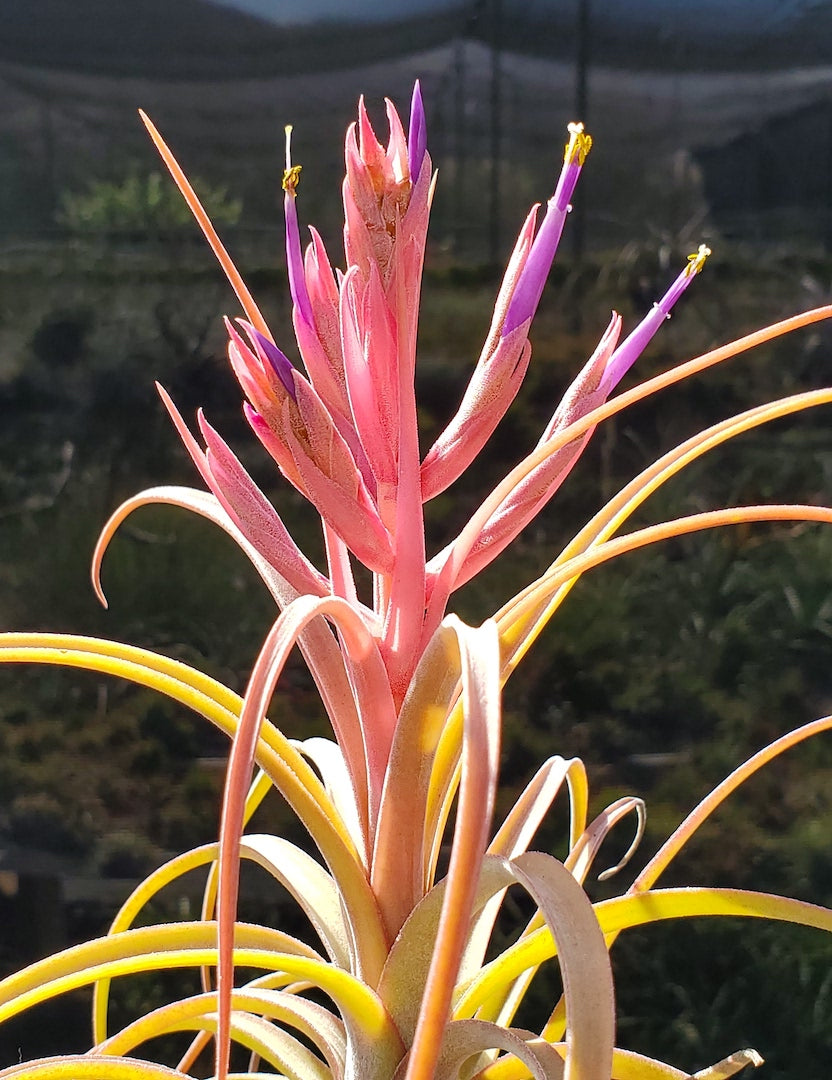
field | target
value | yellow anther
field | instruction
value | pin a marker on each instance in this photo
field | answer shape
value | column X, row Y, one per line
column 291, row 174
column 291, row 177
column 696, row 260
column 578, row 146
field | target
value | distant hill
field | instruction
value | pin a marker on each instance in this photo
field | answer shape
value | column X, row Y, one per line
column 197, row 40
column 102, row 37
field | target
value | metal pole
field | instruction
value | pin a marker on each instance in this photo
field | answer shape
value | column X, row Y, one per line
column 496, row 132
column 459, row 144
column 578, row 228
column 828, row 237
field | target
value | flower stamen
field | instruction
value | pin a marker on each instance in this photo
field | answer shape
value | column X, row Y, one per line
column 294, row 255
column 291, row 173
column 532, row 277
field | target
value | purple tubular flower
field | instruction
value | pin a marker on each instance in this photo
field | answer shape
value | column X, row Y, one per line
column 417, row 134
column 280, row 363
column 634, row 345
column 532, row 278
column 294, row 255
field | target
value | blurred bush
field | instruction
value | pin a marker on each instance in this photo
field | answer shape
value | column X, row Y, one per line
column 141, row 205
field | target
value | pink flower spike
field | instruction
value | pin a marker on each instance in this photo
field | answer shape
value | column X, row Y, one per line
column 294, row 255
column 634, row 345
column 248, row 366
column 466, row 556
column 278, row 450
column 369, row 341
column 396, row 146
column 249, row 359
column 417, row 137
column 530, row 284
column 587, row 390
column 370, row 151
column 279, row 362
column 255, row 516
column 319, row 272
column 497, row 378
column 330, row 478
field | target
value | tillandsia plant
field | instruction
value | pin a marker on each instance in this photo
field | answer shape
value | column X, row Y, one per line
column 413, row 694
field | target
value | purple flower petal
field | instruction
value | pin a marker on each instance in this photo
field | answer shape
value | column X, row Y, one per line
column 634, row 345
column 417, row 134
column 532, row 278
column 294, row 255
column 280, row 363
